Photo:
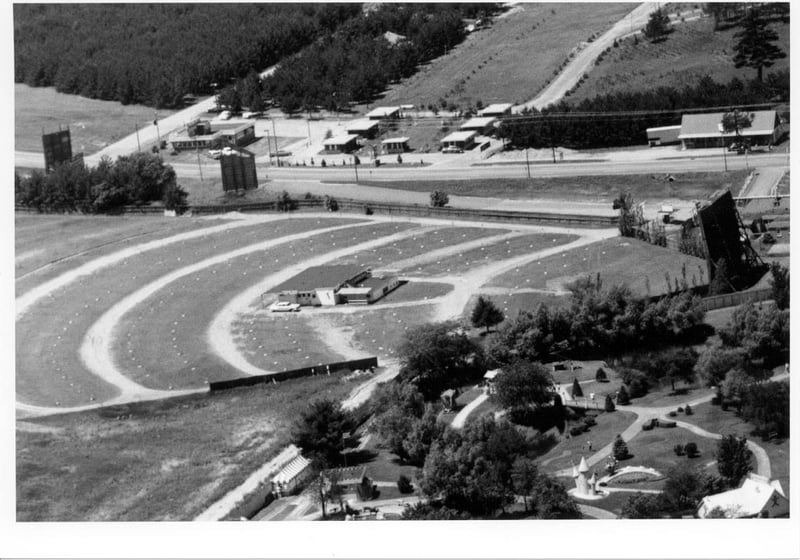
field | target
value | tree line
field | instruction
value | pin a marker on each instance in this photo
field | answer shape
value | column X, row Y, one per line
column 356, row 62
column 155, row 54
column 137, row 179
column 631, row 113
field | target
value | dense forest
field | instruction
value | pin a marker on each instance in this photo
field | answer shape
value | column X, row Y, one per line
column 627, row 115
column 156, row 53
column 358, row 61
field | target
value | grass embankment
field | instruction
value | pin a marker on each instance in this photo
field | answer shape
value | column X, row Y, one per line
column 93, row 123
column 601, row 188
column 51, row 244
column 691, row 51
column 479, row 68
column 641, row 266
column 162, row 342
column 463, row 262
column 165, row 460
column 48, row 367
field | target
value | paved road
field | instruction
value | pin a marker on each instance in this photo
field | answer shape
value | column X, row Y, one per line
column 595, row 512
column 584, row 60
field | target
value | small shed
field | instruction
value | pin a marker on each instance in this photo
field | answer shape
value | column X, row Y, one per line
column 490, row 378
column 481, row 125
column 363, row 127
column 342, row 144
column 663, row 135
column 290, row 476
column 461, row 140
column 397, row 145
column 496, row 110
column 384, row 113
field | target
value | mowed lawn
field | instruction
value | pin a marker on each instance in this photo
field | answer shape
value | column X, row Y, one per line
column 718, row 421
column 691, row 51
column 162, row 343
column 529, row 43
column 643, row 267
column 490, row 253
column 93, row 124
column 600, row 188
column 49, row 370
column 569, row 450
column 47, row 245
column 655, row 449
column 164, row 460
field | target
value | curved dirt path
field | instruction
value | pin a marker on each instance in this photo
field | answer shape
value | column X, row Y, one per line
column 461, row 418
column 219, row 335
column 25, row 301
column 96, row 351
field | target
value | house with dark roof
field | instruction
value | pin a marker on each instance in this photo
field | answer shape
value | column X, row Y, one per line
column 704, row 130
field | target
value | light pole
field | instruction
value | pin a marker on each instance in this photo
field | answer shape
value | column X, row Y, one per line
column 527, row 162
column 721, row 128
column 138, row 145
column 275, row 136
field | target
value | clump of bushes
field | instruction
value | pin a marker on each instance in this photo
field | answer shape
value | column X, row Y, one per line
column 691, row 450
column 601, row 376
column 404, row 485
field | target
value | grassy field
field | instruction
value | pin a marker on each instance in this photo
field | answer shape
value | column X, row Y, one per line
column 185, row 361
column 480, row 67
column 640, row 265
column 691, row 51
column 604, row 188
column 93, row 123
column 48, row 336
column 569, row 451
column 718, row 421
column 654, row 449
column 47, row 245
column 164, row 460
column 464, row 261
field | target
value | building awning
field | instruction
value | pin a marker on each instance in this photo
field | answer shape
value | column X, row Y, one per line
column 478, row 122
column 362, row 125
column 460, row 136
column 398, row 140
column 707, row 125
column 382, row 112
column 291, row 471
column 342, row 140
column 495, row 109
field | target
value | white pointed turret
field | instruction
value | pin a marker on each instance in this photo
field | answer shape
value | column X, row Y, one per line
column 593, row 484
column 584, row 467
column 574, row 471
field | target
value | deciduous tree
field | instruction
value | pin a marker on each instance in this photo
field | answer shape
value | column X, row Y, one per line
column 734, row 459
column 320, row 430
column 524, row 384
column 486, row 314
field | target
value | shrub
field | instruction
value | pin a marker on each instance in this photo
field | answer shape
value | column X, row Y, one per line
column 601, row 375
column 439, row 199
column 688, row 410
column 691, row 450
column 576, row 431
column 647, row 427
column 590, row 421
column 678, row 449
column 672, row 414
column 622, row 397
column 609, row 406
column 680, row 409
column 576, row 389
column 665, row 424
column 367, row 210
column 404, row 485
column 331, row 204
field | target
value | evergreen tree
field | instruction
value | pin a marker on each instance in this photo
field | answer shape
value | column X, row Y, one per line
column 486, row 314
column 657, row 27
column 733, row 459
column 721, row 283
column 609, row 406
column 780, row 285
column 620, row 449
column 576, row 389
column 755, row 47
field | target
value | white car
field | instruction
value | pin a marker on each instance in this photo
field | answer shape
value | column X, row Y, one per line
column 279, row 306
column 215, row 153
column 224, row 115
column 452, row 150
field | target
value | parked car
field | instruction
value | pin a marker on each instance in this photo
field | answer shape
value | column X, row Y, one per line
column 215, row 153
column 452, row 150
column 283, row 306
column 224, row 115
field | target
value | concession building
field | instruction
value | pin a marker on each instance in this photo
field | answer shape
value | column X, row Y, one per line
column 335, row 284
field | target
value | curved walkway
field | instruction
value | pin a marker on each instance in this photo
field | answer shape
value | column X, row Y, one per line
column 461, row 418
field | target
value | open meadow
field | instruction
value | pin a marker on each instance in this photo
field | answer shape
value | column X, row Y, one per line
column 479, row 68
column 160, row 460
column 93, row 124
column 691, row 51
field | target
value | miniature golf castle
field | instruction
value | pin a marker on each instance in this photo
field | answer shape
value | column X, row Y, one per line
column 584, row 488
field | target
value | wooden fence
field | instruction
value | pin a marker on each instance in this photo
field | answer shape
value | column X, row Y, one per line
column 730, row 300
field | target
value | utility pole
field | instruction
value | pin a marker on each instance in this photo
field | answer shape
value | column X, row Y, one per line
column 199, row 166
column 275, row 135
column 158, row 134
column 355, row 167
column 527, row 162
column 138, row 145
column 308, row 124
